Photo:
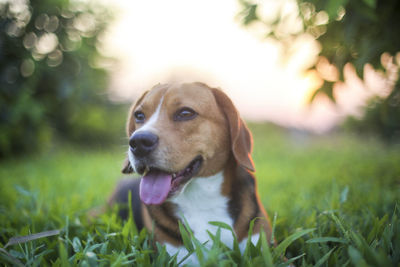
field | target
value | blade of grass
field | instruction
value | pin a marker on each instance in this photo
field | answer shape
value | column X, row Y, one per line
column 340, row 225
column 250, row 233
column 63, row 254
column 327, row 239
column 281, row 248
column 291, row 260
column 11, row 258
column 266, row 252
column 272, row 241
column 324, row 258
column 185, row 237
column 184, row 258
column 228, row 227
column 27, row 238
column 356, row 257
column 131, row 218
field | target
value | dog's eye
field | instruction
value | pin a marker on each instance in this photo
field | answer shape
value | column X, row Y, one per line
column 139, row 116
column 184, row 114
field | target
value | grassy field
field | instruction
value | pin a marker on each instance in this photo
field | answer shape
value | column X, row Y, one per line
column 333, row 200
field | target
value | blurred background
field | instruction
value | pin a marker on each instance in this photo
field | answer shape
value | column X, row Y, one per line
column 68, row 69
column 316, row 80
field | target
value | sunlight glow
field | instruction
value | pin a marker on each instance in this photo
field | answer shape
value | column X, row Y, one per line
column 186, row 40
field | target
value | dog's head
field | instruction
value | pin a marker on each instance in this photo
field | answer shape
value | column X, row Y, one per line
column 177, row 132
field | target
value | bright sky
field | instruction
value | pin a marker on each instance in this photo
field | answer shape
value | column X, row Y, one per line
column 190, row 40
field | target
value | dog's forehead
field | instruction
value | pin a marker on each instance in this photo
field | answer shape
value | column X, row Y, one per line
column 153, row 97
column 193, row 95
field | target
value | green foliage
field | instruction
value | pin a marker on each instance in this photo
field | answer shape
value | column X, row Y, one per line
column 51, row 79
column 336, row 199
column 349, row 32
column 381, row 117
column 356, row 32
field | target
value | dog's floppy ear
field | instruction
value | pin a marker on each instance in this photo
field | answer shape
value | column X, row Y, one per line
column 130, row 128
column 241, row 139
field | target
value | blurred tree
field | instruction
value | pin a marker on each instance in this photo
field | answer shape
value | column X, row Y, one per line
column 349, row 32
column 51, row 81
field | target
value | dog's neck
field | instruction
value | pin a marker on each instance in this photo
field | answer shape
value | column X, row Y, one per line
column 202, row 201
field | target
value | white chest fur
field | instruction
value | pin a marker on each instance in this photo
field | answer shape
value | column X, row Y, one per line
column 200, row 202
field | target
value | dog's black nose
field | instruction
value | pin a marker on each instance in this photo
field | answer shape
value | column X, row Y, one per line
column 142, row 143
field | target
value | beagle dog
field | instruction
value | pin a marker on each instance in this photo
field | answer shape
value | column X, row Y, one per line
column 193, row 152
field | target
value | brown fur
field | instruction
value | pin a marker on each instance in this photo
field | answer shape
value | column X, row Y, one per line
column 219, row 135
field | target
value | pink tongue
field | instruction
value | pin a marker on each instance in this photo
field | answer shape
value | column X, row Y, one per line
column 154, row 188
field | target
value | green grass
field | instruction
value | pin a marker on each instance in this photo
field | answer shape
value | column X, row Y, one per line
column 333, row 200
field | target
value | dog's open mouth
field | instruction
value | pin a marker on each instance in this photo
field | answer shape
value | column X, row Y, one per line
column 156, row 185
